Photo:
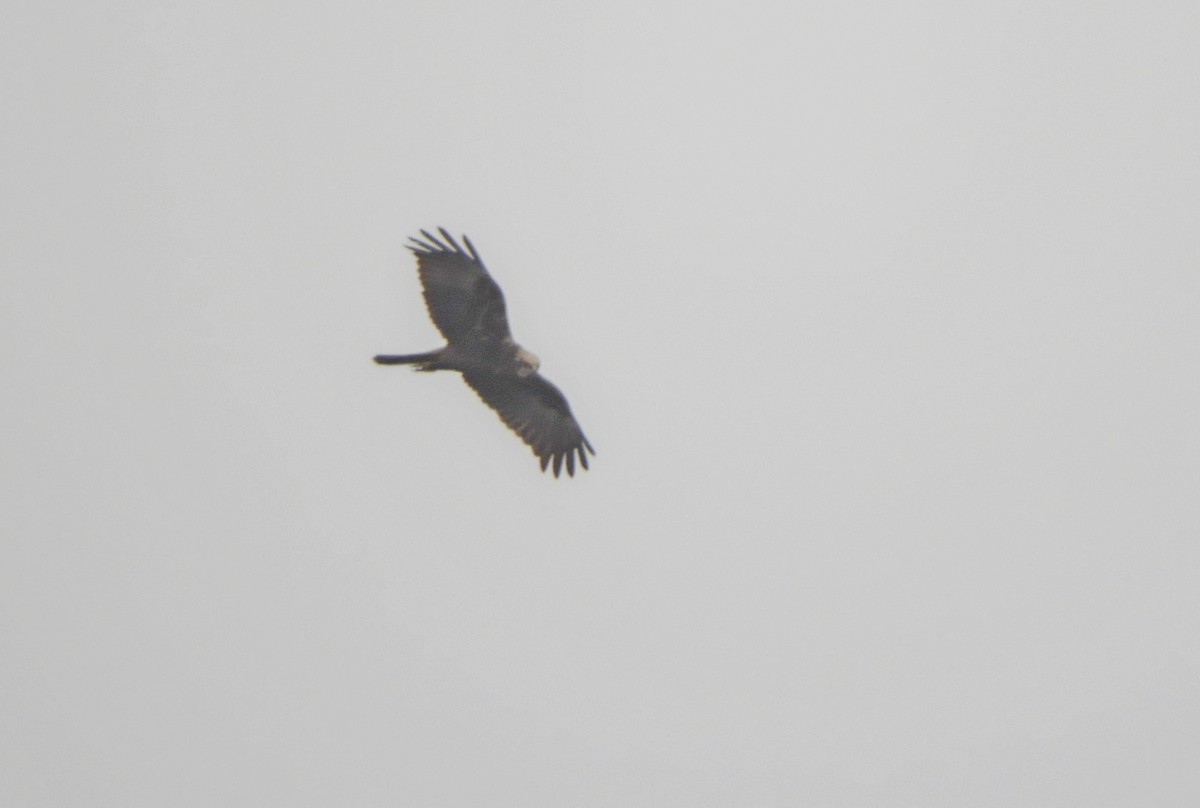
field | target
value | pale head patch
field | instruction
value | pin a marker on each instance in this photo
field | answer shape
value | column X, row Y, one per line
column 528, row 363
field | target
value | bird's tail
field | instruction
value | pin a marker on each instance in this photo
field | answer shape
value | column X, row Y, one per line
column 423, row 361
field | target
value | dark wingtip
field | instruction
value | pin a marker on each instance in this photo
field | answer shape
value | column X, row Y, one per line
column 444, row 243
column 435, row 240
column 419, row 246
column 449, row 238
column 471, row 248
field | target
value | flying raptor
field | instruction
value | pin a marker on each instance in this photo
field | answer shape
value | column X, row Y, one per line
column 467, row 306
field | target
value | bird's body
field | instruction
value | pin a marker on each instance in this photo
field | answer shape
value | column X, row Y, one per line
column 467, row 306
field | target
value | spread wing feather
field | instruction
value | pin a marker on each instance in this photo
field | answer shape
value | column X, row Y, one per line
column 536, row 410
column 463, row 300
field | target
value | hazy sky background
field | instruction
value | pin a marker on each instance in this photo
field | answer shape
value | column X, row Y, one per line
column 882, row 317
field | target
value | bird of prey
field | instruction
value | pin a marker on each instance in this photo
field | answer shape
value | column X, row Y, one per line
column 467, row 306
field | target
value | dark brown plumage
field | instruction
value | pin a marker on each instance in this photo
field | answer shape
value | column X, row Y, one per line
column 467, row 306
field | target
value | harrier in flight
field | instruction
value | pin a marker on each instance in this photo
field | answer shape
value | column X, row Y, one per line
column 467, row 306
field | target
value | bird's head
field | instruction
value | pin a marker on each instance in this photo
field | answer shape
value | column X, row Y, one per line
column 527, row 363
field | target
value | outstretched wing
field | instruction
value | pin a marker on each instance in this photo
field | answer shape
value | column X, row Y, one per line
column 463, row 300
column 536, row 410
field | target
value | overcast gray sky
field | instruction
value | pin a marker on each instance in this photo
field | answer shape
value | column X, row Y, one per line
column 881, row 316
